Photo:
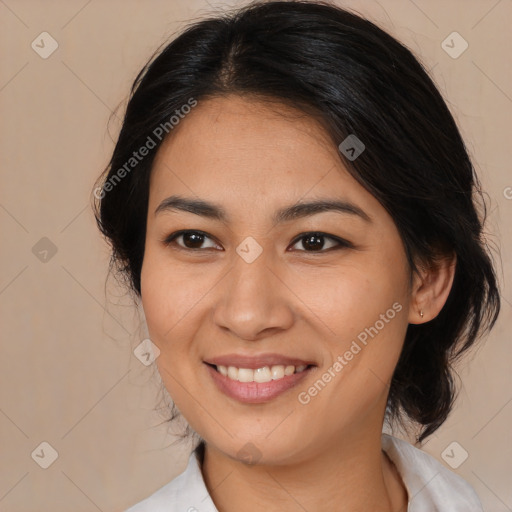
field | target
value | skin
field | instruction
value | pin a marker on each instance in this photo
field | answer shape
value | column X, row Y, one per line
column 253, row 159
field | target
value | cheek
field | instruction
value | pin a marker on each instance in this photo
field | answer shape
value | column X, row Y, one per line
column 349, row 298
column 169, row 295
column 373, row 315
column 362, row 309
column 164, row 303
column 168, row 301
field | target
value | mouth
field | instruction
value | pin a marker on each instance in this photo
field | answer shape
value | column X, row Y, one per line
column 257, row 379
column 261, row 375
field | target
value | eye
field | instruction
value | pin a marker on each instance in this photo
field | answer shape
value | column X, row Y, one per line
column 191, row 240
column 314, row 242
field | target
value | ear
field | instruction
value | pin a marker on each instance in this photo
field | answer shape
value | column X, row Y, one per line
column 430, row 289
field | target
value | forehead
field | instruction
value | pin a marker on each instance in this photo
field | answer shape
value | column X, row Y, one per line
column 253, row 151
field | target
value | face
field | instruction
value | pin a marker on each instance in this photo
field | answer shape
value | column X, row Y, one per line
column 305, row 309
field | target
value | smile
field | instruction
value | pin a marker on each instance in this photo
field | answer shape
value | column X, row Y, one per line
column 264, row 374
column 260, row 382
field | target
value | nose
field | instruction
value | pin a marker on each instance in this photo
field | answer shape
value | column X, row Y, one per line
column 254, row 300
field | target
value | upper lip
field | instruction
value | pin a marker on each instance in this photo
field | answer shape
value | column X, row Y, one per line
column 256, row 361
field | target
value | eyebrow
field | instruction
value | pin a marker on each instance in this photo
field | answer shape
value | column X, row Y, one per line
column 295, row 211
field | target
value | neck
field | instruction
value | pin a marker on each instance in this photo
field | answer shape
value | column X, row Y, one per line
column 351, row 475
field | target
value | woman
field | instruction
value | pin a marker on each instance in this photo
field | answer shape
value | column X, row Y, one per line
column 292, row 201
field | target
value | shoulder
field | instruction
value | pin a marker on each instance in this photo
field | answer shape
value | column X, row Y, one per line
column 430, row 485
column 186, row 493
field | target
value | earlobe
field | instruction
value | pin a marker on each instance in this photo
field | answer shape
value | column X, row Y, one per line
column 431, row 287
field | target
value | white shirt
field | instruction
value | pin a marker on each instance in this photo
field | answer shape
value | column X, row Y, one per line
column 430, row 486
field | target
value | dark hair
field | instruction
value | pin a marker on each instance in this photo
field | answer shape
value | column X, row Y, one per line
column 356, row 79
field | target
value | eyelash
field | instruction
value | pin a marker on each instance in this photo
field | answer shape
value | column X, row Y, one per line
column 342, row 244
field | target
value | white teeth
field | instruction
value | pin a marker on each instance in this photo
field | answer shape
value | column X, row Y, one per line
column 245, row 375
column 289, row 370
column 233, row 373
column 264, row 374
column 277, row 372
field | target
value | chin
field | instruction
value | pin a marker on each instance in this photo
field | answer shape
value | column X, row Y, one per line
column 264, row 449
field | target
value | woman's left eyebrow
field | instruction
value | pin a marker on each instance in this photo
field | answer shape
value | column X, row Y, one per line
column 295, row 211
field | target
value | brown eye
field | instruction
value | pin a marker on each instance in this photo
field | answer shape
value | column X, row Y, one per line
column 311, row 242
column 315, row 242
column 192, row 240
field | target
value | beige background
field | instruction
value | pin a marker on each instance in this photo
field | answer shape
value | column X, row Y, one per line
column 68, row 373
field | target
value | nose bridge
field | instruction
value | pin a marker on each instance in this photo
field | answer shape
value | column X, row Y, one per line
column 253, row 298
column 251, row 271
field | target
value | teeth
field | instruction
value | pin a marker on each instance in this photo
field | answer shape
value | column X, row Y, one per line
column 277, row 372
column 289, row 370
column 245, row 375
column 264, row 374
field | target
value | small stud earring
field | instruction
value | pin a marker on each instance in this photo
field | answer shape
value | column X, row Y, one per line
column 421, row 313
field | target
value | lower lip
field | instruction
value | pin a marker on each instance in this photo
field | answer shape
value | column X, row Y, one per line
column 255, row 392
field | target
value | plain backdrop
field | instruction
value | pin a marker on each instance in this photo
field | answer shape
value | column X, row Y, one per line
column 69, row 376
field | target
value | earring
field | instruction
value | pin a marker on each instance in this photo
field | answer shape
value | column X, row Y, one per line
column 421, row 313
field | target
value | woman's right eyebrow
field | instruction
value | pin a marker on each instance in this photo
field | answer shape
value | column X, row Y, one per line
column 295, row 211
